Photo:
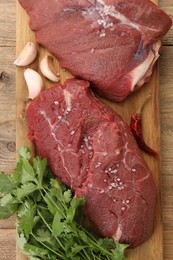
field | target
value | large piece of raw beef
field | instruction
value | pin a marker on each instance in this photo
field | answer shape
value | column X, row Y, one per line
column 93, row 151
column 112, row 43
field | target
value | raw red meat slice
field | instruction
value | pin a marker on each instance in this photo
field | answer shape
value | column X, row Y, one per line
column 93, row 151
column 112, row 43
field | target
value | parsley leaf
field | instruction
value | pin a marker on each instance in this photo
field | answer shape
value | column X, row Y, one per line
column 21, row 240
column 57, row 225
column 50, row 204
column 32, row 250
column 25, row 190
column 6, row 212
column 118, row 252
column 35, row 258
column 24, row 153
column 44, row 235
column 6, row 183
column 8, row 200
column 28, row 218
column 40, row 166
column 67, row 196
column 75, row 203
column 23, row 172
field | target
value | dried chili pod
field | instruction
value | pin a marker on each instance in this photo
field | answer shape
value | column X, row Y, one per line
column 136, row 128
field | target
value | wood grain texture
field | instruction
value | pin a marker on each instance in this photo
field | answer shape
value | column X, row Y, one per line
column 167, row 6
column 7, row 104
column 166, row 92
column 168, row 238
column 7, row 22
column 7, row 129
column 8, row 224
column 8, row 244
column 153, row 248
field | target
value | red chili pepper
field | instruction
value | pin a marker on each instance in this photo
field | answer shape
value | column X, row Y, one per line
column 136, row 128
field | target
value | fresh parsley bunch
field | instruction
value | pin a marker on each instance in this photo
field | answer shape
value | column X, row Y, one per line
column 49, row 217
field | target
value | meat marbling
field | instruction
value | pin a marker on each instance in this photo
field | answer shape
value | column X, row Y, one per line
column 92, row 150
column 111, row 43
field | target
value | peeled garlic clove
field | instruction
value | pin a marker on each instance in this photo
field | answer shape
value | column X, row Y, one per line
column 34, row 82
column 27, row 56
column 47, row 69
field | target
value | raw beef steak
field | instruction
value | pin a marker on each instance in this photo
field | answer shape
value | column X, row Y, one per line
column 112, row 43
column 92, row 150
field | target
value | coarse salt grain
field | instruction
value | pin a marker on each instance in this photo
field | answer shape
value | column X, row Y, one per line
column 102, row 34
column 114, row 171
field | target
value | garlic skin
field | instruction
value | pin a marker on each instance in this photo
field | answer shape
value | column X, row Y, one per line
column 27, row 56
column 47, row 69
column 34, row 83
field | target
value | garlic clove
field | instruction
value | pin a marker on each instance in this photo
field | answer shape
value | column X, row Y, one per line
column 34, row 82
column 48, row 70
column 27, row 56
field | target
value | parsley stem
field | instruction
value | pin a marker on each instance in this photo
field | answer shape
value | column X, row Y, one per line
column 93, row 256
column 47, row 225
column 87, row 257
column 83, row 256
column 93, row 240
column 53, row 202
column 50, row 249
column 83, row 250
column 99, row 247
column 88, row 233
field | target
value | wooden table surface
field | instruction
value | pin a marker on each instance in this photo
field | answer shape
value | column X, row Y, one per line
column 7, row 123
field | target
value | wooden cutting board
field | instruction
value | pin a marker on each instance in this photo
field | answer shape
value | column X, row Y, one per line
column 153, row 248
